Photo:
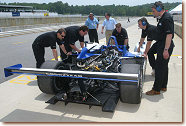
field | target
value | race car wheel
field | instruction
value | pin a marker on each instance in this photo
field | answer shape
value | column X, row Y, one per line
column 49, row 84
column 131, row 91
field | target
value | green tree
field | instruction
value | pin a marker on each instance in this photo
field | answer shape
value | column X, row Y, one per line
column 115, row 10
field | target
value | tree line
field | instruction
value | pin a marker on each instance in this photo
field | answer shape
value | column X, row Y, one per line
column 115, row 10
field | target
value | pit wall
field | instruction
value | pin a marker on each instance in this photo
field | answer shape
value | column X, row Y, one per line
column 178, row 29
column 16, row 23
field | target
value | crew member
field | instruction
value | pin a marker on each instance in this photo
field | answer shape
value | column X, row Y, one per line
column 109, row 24
column 164, row 48
column 48, row 39
column 151, row 32
column 73, row 33
column 92, row 24
column 128, row 20
column 121, row 35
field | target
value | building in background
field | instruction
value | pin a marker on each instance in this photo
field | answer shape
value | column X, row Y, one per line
column 23, row 11
column 177, row 13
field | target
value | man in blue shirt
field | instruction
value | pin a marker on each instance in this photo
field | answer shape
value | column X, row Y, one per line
column 109, row 24
column 92, row 24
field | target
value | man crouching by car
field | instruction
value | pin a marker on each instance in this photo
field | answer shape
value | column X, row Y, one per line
column 73, row 33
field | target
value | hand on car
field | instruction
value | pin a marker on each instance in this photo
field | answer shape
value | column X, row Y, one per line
column 138, row 50
column 69, row 53
column 145, row 55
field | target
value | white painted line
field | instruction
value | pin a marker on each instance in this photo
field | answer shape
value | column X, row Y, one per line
column 180, row 57
column 27, row 31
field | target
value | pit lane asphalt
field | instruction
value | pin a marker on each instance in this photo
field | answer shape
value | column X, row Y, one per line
column 24, row 102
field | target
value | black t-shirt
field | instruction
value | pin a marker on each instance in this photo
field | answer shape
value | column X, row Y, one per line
column 48, row 39
column 151, row 32
column 72, row 35
column 165, row 26
column 120, row 37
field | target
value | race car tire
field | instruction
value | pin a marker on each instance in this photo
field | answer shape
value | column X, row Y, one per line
column 49, row 84
column 131, row 91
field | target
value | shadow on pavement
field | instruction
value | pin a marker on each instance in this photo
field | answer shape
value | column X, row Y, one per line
column 125, row 107
column 74, row 108
column 80, row 110
column 19, row 115
column 44, row 97
column 149, row 78
column 154, row 98
column 33, row 83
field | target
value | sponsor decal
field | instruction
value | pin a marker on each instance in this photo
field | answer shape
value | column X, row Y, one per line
column 64, row 74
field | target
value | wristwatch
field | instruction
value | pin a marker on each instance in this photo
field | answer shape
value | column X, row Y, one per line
column 166, row 49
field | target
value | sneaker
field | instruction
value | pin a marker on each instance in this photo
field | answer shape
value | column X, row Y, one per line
column 153, row 72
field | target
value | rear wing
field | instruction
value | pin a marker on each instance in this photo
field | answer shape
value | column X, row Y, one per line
column 17, row 69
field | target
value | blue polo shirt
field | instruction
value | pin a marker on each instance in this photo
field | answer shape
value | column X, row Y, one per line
column 109, row 24
column 91, row 24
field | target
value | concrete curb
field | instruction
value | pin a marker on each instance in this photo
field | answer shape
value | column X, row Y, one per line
column 178, row 29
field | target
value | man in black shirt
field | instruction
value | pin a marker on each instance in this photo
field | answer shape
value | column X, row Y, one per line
column 121, row 35
column 151, row 32
column 73, row 33
column 164, row 48
column 48, row 39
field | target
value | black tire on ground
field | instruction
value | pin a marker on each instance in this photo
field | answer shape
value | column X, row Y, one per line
column 130, row 92
column 52, row 85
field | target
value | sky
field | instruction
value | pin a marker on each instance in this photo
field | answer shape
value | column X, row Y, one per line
column 94, row 2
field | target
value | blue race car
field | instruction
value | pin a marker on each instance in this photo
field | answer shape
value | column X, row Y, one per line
column 100, row 75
